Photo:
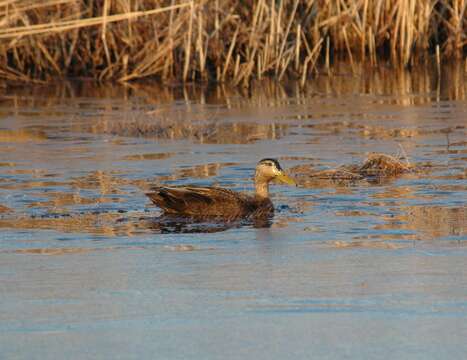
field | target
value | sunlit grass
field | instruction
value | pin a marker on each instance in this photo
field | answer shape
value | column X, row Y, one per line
column 220, row 40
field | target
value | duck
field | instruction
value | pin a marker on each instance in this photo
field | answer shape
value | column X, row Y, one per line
column 217, row 202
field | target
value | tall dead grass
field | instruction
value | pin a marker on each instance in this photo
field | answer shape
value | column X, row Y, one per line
column 219, row 39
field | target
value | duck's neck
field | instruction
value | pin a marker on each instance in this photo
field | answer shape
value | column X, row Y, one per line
column 261, row 187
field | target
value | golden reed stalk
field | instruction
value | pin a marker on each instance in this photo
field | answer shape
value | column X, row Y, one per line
column 221, row 40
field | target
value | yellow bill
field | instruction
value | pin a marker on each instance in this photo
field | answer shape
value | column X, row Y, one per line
column 282, row 177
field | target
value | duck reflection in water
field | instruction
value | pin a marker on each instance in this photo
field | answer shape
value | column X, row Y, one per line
column 173, row 224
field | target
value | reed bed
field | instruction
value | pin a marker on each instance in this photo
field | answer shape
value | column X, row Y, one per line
column 220, row 40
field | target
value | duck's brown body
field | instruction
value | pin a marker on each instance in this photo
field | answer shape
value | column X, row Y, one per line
column 200, row 202
column 208, row 202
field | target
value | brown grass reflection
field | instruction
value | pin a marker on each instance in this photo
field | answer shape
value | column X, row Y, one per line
column 153, row 156
column 53, row 251
column 107, row 183
column 33, row 172
column 285, row 221
column 198, row 171
column 57, row 251
column 400, row 83
column 378, row 132
column 101, row 224
column 22, row 135
column 103, row 181
column 397, row 192
column 61, row 199
column 181, row 248
column 4, row 209
column 384, row 85
column 351, row 213
column 367, row 245
column 461, row 174
column 206, row 132
column 430, row 222
column 385, row 237
column 30, row 185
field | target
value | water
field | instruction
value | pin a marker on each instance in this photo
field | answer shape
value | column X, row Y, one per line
column 354, row 270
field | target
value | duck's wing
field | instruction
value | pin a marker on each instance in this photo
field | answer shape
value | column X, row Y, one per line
column 200, row 201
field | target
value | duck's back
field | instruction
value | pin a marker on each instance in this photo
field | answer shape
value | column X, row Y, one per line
column 209, row 202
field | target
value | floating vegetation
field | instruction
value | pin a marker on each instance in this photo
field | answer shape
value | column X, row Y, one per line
column 382, row 165
column 375, row 168
column 219, row 40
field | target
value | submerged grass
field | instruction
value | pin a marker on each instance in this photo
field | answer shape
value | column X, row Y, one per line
column 219, row 40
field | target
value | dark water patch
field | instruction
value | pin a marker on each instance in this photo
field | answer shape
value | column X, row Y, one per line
column 180, row 225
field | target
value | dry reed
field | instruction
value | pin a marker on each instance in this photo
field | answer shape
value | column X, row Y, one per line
column 219, row 40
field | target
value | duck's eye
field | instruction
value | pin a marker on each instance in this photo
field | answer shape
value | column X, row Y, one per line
column 268, row 164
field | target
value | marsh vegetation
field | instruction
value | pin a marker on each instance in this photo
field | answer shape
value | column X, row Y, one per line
column 222, row 40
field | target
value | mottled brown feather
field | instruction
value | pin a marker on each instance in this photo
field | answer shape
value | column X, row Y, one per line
column 210, row 202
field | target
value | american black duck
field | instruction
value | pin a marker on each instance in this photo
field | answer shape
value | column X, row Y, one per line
column 217, row 202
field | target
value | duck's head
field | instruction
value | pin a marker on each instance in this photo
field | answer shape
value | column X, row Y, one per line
column 270, row 169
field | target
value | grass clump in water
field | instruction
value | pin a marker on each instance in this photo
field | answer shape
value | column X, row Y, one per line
column 376, row 168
